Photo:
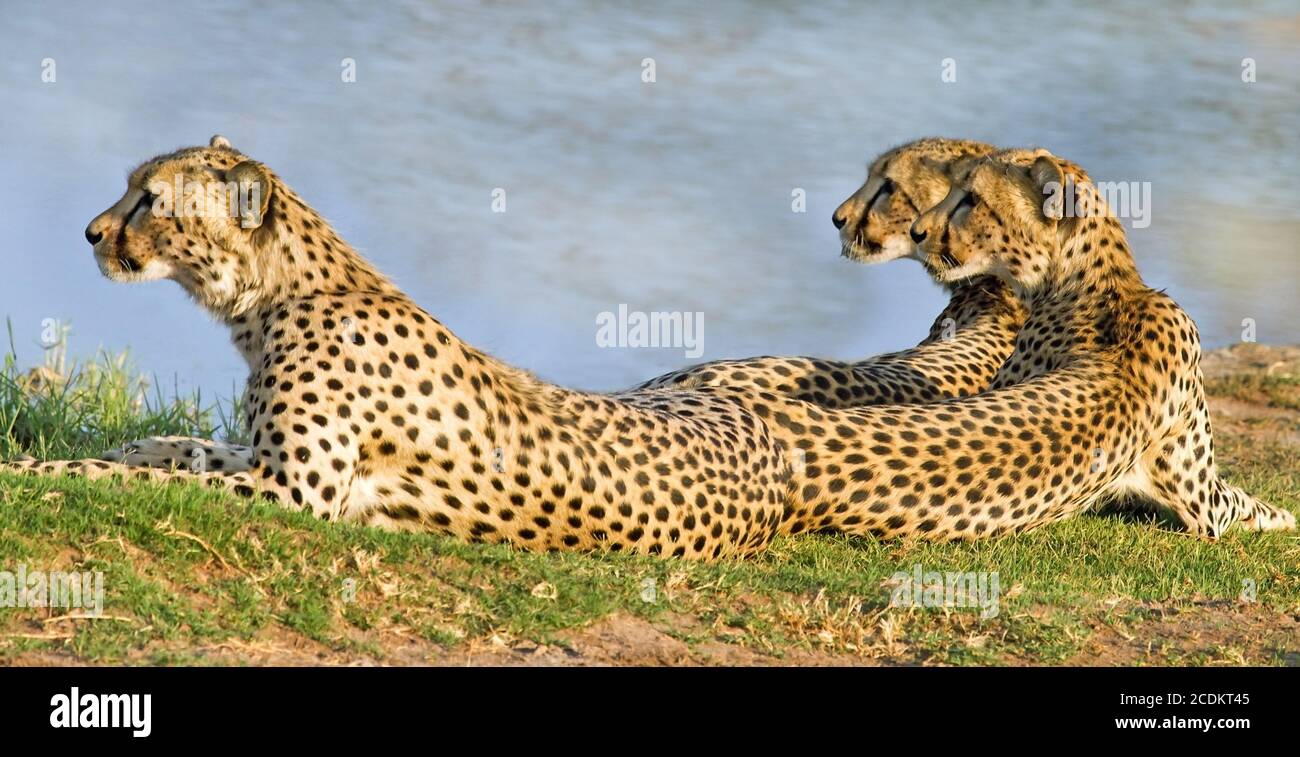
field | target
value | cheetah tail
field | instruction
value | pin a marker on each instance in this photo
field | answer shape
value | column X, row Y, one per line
column 239, row 483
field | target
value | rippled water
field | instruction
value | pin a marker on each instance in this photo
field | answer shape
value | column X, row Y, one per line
column 669, row 196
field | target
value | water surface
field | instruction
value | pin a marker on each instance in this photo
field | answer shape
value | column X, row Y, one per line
column 668, row 196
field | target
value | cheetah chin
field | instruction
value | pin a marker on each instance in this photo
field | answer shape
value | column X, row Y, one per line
column 951, row 275
column 893, row 248
column 122, row 269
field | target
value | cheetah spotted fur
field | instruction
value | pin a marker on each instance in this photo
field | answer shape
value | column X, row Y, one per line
column 1102, row 398
column 364, row 408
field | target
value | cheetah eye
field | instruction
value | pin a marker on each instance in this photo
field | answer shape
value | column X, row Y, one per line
column 145, row 203
column 962, row 209
column 886, row 189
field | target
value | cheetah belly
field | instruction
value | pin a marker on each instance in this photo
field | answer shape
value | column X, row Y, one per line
column 363, row 499
column 1135, row 481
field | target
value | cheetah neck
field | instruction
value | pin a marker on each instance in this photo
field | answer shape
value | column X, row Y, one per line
column 297, row 254
column 981, row 302
column 1090, row 284
column 1094, row 259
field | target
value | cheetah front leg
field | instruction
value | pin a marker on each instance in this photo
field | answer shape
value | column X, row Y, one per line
column 169, row 452
column 315, row 473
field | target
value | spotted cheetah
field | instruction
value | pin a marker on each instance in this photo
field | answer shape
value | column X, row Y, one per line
column 365, row 408
column 967, row 342
column 1102, row 397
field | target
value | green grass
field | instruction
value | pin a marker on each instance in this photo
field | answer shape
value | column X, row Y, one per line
column 60, row 410
column 194, row 576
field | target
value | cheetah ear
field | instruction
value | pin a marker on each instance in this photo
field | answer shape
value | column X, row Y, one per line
column 958, row 166
column 939, row 169
column 933, row 164
column 254, row 191
column 220, row 141
column 1049, row 181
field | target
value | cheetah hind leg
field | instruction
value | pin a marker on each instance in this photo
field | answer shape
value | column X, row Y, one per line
column 169, row 452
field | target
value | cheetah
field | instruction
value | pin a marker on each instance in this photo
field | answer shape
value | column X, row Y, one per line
column 364, row 408
column 1106, row 371
column 1102, row 397
column 968, row 341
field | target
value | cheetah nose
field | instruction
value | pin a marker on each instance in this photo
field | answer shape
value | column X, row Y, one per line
column 838, row 219
column 918, row 235
column 98, row 226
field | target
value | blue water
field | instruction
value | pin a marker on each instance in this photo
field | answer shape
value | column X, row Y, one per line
column 666, row 196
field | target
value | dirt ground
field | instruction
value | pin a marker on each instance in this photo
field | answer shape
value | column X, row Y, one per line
column 1213, row 632
column 1252, row 416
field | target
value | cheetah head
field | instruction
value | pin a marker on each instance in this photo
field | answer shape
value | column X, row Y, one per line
column 998, row 219
column 901, row 183
column 193, row 216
